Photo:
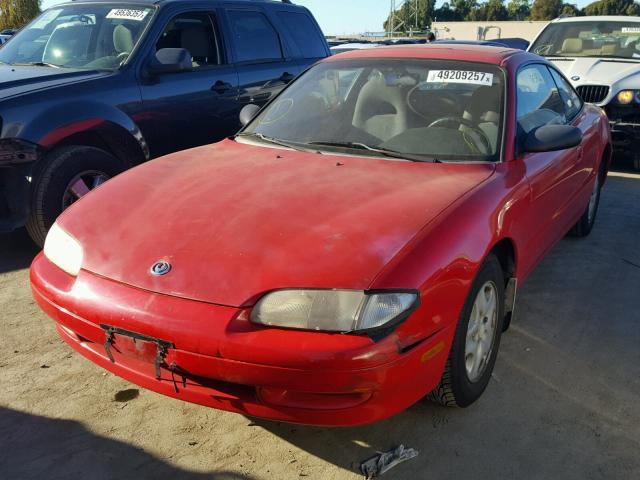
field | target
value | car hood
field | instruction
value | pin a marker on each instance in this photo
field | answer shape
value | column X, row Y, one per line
column 618, row 74
column 17, row 80
column 235, row 220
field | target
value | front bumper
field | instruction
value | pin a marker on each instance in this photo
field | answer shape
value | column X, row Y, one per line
column 625, row 126
column 220, row 360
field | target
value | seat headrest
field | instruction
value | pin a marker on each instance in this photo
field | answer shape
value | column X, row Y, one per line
column 572, row 45
column 484, row 105
column 196, row 40
column 122, row 39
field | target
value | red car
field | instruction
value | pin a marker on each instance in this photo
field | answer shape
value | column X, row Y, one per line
column 356, row 247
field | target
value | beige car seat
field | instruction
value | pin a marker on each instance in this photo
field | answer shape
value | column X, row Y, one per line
column 381, row 109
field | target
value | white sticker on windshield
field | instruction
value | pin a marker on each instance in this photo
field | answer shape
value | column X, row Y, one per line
column 630, row 29
column 127, row 14
column 460, row 76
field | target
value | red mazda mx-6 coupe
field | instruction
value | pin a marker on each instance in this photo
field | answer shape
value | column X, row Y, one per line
column 356, row 247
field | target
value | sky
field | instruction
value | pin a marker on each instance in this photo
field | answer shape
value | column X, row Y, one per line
column 346, row 16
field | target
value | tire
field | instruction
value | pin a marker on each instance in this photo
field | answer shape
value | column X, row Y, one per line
column 52, row 191
column 458, row 387
column 588, row 219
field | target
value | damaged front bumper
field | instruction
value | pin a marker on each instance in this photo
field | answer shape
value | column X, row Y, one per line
column 17, row 158
column 212, row 355
column 625, row 126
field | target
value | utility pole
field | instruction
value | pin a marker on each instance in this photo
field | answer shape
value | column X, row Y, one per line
column 396, row 21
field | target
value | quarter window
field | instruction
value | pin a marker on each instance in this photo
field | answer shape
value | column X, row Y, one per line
column 305, row 34
column 254, row 37
column 538, row 99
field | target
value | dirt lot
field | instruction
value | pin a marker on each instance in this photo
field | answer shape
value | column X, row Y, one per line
column 564, row 402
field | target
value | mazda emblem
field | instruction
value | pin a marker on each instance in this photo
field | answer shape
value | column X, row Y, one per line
column 575, row 78
column 160, row 268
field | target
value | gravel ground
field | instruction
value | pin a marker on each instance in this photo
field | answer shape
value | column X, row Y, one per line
column 563, row 402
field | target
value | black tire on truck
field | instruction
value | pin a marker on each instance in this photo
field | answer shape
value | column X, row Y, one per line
column 67, row 174
column 476, row 341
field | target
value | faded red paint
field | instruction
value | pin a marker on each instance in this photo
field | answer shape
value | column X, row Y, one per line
column 237, row 221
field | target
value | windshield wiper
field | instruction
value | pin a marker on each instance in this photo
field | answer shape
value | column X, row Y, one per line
column 276, row 141
column 381, row 151
column 35, row 64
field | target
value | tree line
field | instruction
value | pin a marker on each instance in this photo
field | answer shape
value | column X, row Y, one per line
column 17, row 13
column 497, row 10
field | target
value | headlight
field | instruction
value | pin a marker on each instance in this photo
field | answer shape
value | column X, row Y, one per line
column 63, row 250
column 332, row 310
column 625, row 97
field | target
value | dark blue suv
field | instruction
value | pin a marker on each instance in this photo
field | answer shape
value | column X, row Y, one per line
column 91, row 88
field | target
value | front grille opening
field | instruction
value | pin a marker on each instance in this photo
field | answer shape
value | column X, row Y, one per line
column 593, row 93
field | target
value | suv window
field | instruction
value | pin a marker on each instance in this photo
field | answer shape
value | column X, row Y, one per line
column 572, row 101
column 538, row 100
column 254, row 37
column 193, row 32
column 305, row 34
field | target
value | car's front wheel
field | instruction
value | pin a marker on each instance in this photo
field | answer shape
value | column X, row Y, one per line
column 476, row 341
column 67, row 174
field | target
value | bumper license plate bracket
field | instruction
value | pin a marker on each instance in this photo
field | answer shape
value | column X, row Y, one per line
column 161, row 345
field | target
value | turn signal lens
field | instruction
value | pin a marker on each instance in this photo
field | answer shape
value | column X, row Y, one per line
column 625, row 97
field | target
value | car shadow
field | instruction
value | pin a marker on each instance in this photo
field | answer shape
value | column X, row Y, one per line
column 40, row 447
column 17, row 251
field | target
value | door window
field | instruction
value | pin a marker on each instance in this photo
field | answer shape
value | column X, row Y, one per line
column 254, row 37
column 571, row 99
column 195, row 33
column 538, row 99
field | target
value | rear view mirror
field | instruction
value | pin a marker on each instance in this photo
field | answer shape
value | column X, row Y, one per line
column 551, row 138
column 171, row 60
column 247, row 113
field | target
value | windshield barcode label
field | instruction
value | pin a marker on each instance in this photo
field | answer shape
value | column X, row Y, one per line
column 460, row 76
column 126, row 14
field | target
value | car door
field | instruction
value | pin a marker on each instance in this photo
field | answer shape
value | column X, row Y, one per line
column 554, row 177
column 186, row 109
column 587, row 121
column 259, row 55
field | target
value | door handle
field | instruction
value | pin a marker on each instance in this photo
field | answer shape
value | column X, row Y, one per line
column 221, row 87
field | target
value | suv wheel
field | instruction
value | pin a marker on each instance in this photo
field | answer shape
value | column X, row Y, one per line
column 67, row 174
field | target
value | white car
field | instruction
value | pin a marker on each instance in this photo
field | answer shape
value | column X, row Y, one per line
column 601, row 58
column 347, row 47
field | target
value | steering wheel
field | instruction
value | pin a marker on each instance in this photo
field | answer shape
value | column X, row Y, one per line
column 444, row 96
column 455, row 122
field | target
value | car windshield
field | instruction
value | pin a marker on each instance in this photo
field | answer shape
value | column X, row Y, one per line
column 589, row 39
column 92, row 36
column 430, row 110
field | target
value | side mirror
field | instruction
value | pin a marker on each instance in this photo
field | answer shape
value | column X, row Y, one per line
column 247, row 113
column 551, row 138
column 171, row 60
